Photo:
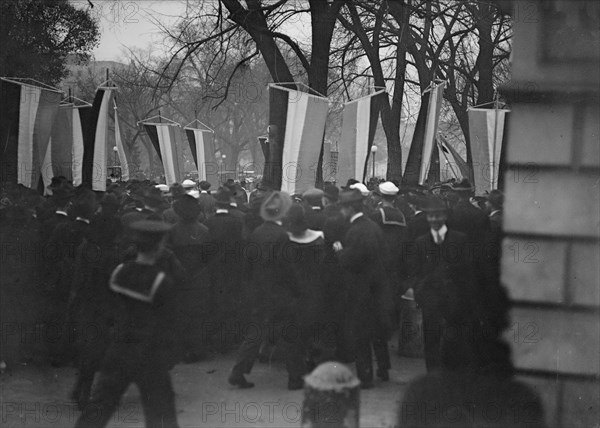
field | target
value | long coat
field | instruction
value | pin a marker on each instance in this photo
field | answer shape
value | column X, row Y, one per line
column 445, row 289
column 361, row 260
column 273, row 289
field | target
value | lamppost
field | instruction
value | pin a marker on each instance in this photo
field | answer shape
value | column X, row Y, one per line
column 115, row 150
column 223, row 157
column 373, row 151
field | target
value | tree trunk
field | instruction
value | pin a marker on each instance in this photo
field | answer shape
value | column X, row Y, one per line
column 415, row 154
column 391, row 120
column 484, row 17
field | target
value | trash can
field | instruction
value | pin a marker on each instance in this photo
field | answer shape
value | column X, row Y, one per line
column 331, row 397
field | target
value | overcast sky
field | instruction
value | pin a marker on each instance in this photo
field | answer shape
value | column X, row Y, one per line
column 130, row 24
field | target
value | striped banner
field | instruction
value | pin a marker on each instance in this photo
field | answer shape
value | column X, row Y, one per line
column 26, row 116
column 81, row 122
column 433, row 117
column 97, row 144
column 164, row 138
column 202, row 146
column 64, row 155
column 298, row 119
column 120, row 148
column 486, row 133
column 358, row 130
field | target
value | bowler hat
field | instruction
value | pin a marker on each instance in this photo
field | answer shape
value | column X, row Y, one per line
column 223, row 196
column 61, row 188
column 349, row 183
column 187, row 207
column 275, row 206
column 176, row 190
column 496, row 198
column 313, row 196
column 435, row 204
column 351, row 196
column 153, row 197
column 149, row 230
column 331, row 191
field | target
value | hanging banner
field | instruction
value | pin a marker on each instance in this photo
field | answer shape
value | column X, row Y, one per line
column 64, row 155
column 486, row 134
column 358, row 131
column 431, row 126
column 202, row 146
column 165, row 138
column 98, row 140
column 27, row 113
column 299, row 120
column 120, row 148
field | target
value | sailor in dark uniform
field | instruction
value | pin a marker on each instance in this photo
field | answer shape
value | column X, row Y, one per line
column 395, row 232
column 142, row 343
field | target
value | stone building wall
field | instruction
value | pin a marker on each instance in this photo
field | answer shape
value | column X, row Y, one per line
column 551, row 251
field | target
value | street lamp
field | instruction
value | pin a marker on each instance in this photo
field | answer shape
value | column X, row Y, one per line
column 115, row 150
column 223, row 157
column 373, row 151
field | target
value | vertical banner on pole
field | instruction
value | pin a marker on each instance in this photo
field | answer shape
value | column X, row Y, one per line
column 431, row 126
column 120, row 147
column 95, row 152
column 164, row 138
column 302, row 129
column 27, row 115
column 358, row 131
column 202, row 146
column 486, row 134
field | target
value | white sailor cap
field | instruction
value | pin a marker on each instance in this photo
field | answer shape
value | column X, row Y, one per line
column 361, row 187
column 162, row 187
column 188, row 183
column 194, row 193
column 388, row 188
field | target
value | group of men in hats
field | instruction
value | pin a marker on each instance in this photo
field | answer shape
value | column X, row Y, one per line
column 326, row 261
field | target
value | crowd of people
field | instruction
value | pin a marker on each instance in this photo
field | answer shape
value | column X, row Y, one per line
column 169, row 274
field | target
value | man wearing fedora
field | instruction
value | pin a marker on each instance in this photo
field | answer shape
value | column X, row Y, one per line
column 206, row 200
column 141, row 351
column 274, row 295
column 360, row 254
column 464, row 217
column 225, row 265
column 443, row 279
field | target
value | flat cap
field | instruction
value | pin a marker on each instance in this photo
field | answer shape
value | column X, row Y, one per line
column 188, row 183
column 313, row 194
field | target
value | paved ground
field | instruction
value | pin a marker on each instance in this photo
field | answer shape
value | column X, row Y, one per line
column 38, row 397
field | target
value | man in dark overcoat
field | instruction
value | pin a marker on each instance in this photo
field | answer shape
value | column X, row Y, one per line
column 465, row 218
column 274, row 295
column 444, row 281
column 360, row 254
column 224, row 256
